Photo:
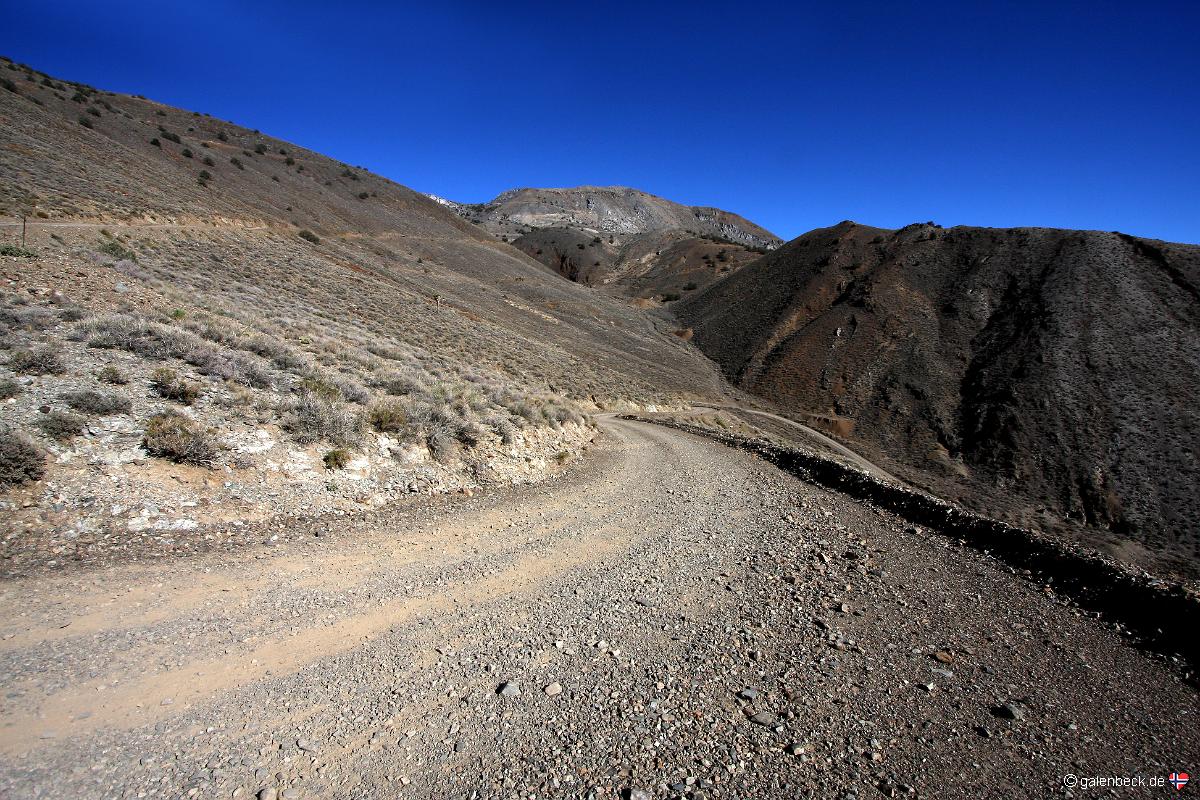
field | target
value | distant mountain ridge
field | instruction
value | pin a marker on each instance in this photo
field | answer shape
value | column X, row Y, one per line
column 610, row 209
column 621, row 239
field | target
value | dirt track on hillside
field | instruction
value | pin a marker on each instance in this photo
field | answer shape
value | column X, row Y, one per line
column 717, row 629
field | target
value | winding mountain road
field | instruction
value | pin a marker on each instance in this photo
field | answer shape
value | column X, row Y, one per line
column 669, row 615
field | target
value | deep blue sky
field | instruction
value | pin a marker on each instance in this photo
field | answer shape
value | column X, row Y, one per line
column 1078, row 115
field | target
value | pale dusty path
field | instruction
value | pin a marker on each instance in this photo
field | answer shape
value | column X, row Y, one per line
column 653, row 583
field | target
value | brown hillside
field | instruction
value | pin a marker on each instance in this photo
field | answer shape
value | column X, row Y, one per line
column 387, row 255
column 1043, row 374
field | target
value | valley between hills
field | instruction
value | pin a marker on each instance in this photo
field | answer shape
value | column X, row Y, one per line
column 318, row 486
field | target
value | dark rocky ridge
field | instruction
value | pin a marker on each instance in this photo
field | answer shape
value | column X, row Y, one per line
column 1046, row 375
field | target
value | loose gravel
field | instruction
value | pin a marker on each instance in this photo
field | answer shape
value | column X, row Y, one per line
column 671, row 618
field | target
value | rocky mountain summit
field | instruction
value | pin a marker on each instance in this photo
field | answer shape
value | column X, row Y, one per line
column 618, row 210
column 622, row 240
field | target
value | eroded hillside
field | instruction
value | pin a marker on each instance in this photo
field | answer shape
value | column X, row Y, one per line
column 305, row 336
column 1045, row 375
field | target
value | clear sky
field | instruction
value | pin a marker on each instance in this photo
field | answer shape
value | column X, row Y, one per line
column 1076, row 115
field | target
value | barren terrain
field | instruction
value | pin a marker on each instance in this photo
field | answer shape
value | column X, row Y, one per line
column 312, row 487
column 1039, row 375
column 671, row 616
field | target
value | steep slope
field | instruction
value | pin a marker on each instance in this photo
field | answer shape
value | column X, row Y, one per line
column 71, row 153
column 1045, row 375
column 622, row 240
column 196, row 299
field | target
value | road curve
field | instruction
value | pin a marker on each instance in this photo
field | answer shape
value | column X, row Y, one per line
column 814, row 436
column 678, row 617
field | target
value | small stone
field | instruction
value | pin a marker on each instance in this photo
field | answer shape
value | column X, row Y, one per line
column 637, row 794
column 553, row 689
column 509, row 690
column 748, row 693
column 1008, row 711
column 291, row 794
column 764, row 718
column 306, row 745
column 166, row 701
column 944, row 657
column 268, row 793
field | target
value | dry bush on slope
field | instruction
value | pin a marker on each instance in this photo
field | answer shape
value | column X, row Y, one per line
column 177, row 438
column 20, row 460
column 314, row 417
column 93, row 402
column 43, row 360
column 152, row 340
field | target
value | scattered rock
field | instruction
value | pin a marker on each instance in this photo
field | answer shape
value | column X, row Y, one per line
column 553, row 689
column 1008, row 711
column 509, row 689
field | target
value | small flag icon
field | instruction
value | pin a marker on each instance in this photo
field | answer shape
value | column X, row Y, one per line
column 1178, row 780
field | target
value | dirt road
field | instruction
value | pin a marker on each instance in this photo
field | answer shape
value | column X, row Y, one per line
column 670, row 616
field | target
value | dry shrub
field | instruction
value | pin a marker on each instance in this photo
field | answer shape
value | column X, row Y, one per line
column 112, row 375
column 314, row 418
column 169, row 386
column 43, row 360
column 387, row 417
column 20, row 460
column 175, row 437
column 93, row 402
column 151, row 340
column 338, row 458
column 61, row 426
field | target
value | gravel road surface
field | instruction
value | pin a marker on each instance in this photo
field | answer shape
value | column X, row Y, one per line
column 669, row 618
